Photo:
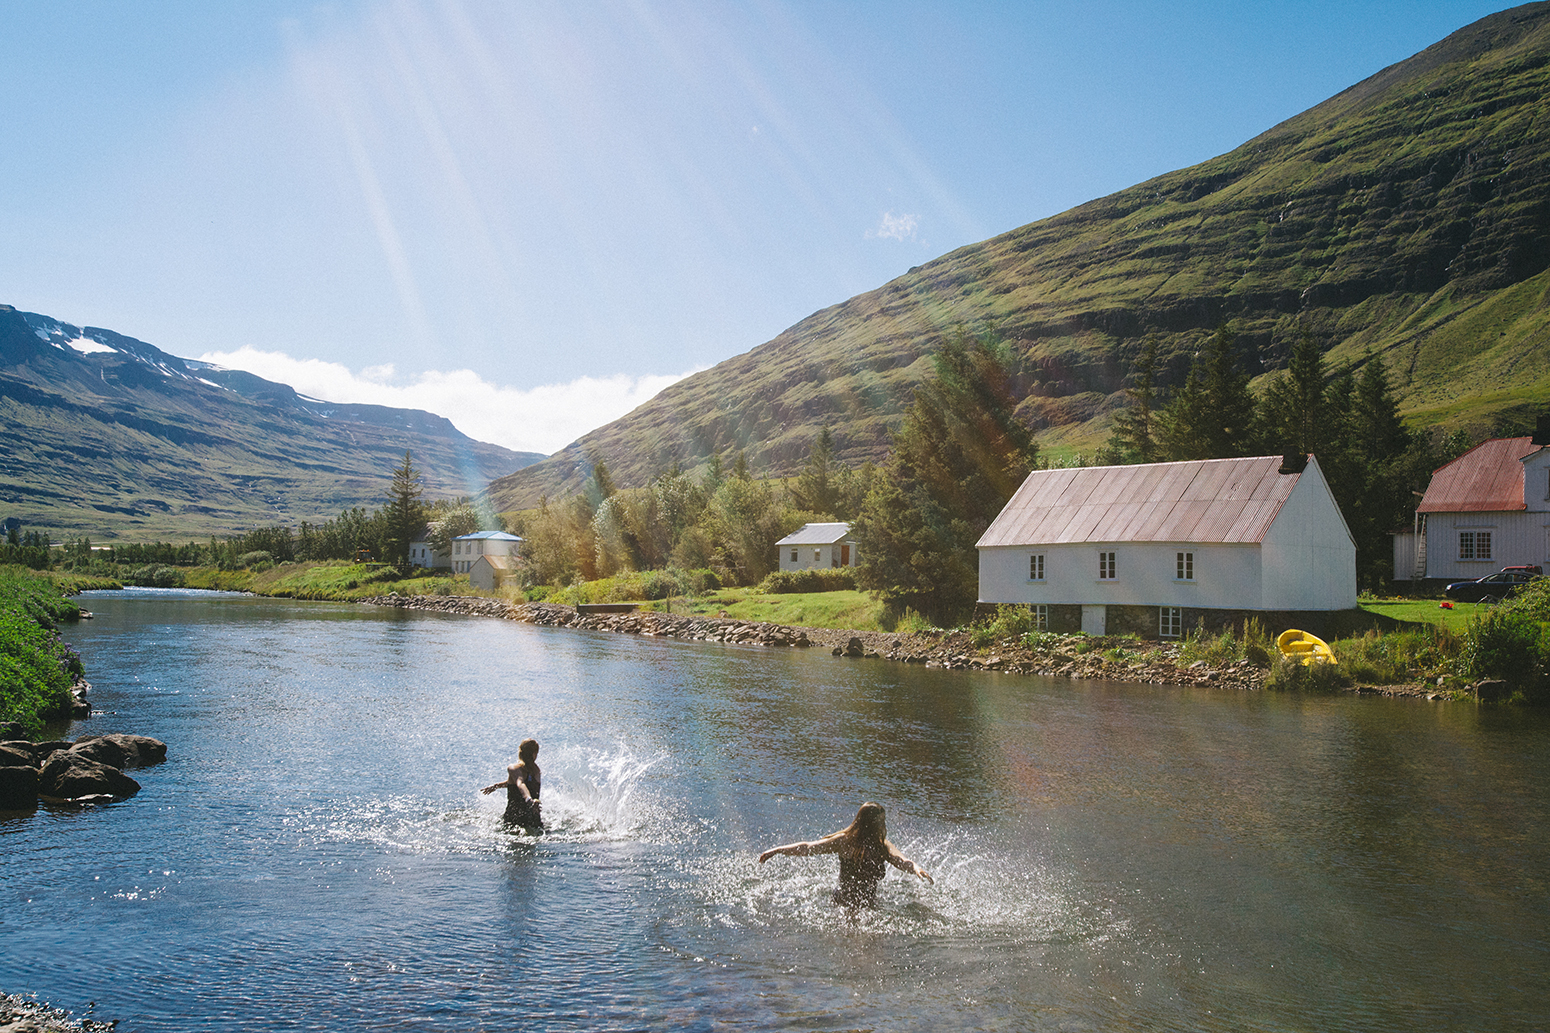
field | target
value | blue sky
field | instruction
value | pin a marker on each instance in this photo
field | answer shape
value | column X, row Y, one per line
column 529, row 217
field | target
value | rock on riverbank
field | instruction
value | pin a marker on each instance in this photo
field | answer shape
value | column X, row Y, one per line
column 89, row 770
column 25, row 1015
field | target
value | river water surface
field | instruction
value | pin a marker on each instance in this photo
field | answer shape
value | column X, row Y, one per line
column 315, row 854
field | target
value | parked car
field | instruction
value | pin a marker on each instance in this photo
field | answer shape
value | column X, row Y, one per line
column 1492, row 588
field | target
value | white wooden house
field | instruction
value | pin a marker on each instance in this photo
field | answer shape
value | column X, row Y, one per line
column 422, row 554
column 469, row 547
column 825, row 546
column 1488, row 509
column 1156, row 547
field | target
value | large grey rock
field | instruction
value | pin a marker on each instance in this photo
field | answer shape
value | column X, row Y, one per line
column 18, row 788
column 67, row 774
column 14, row 755
column 137, row 751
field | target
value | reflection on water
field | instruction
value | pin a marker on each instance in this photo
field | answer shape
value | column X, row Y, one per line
column 316, row 855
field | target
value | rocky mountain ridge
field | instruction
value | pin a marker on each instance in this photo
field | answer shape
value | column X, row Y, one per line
column 110, row 437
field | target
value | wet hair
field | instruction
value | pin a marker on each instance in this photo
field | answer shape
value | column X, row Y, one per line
column 869, row 825
column 528, row 750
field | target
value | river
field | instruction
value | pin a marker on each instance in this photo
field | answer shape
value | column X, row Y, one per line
column 315, row 854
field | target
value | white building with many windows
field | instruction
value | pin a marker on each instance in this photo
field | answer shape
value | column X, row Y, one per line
column 1488, row 509
column 466, row 549
column 1156, row 547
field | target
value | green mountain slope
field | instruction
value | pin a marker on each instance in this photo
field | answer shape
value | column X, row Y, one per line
column 1408, row 215
column 108, row 437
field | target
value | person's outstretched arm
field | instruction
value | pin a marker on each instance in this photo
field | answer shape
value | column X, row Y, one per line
column 826, row 845
column 904, row 864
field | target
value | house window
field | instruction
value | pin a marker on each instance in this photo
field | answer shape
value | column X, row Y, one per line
column 1474, row 545
column 793, row 555
column 1036, row 567
column 1170, row 621
column 817, row 555
column 1105, row 566
column 1040, row 616
column 1184, row 567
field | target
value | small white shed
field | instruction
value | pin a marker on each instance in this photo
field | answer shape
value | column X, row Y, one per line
column 488, row 572
column 820, row 546
column 1165, row 541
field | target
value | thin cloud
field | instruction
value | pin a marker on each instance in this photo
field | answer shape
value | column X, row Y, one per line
column 895, row 227
column 540, row 419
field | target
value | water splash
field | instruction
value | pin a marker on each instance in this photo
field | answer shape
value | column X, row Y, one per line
column 597, row 795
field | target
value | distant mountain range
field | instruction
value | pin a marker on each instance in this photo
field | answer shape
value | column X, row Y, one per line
column 1408, row 216
column 111, row 438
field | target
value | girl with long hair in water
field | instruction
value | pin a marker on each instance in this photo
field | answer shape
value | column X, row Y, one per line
column 864, row 850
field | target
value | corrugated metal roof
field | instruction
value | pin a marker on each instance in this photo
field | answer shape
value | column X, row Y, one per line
column 490, row 536
column 1486, row 479
column 816, row 534
column 1210, row 500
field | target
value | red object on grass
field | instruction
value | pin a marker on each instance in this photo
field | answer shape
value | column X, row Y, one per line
column 1445, row 606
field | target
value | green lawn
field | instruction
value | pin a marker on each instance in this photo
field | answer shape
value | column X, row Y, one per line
column 856, row 611
column 1427, row 611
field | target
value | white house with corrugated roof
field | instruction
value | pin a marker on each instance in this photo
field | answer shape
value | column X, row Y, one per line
column 1156, row 547
column 1487, row 509
column 821, row 546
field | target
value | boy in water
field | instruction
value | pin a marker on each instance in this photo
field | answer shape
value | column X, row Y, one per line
column 523, row 782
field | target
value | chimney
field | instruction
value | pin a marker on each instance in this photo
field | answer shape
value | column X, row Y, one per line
column 1542, row 430
column 1293, row 462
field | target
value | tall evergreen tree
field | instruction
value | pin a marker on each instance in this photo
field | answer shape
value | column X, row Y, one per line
column 1134, row 439
column 405, row 516
column 817, row 486
column 1213, row 416
column 956, row 460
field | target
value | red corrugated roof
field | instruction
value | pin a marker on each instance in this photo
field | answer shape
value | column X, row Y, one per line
column 1486, row 479
column 1212, row 500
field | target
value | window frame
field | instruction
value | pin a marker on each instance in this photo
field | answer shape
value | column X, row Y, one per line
column 1170, row 622
column 1036, row 566
column 1108, row 566
column 1479, row 548
column 1040, row 616
column 1184, row 566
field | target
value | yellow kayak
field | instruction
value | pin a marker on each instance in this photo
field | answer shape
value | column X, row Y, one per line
column 1305, row 647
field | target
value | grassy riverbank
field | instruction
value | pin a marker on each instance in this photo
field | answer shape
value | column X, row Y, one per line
column 37, row 669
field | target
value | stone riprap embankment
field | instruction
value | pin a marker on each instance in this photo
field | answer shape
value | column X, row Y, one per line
column 25, row 1015
column 88, row 770
column 1057, row 656
column 658, row 625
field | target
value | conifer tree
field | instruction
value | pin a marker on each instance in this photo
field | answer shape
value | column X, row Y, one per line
column 405, row 516
column 817, row 487
column 1134, row 439
column 956, row 460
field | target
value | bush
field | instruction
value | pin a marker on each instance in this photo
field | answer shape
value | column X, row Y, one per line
column 257, row 561
column 783, row 582
column 156, row 576
column 36, row 668
column 1217, row 650
column 1292, row 676
column 1511, row 644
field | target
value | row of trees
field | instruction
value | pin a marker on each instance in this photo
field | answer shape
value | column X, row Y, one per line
column 1347, row 417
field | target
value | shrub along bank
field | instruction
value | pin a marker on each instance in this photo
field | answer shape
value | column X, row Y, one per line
column 37, row 669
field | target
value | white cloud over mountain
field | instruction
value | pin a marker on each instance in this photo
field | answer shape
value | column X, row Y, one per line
column 540, row 419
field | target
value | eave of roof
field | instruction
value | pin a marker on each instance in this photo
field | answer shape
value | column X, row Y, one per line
column 816, row 534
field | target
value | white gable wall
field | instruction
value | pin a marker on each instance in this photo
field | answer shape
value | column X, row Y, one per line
column 1309, row 556
column 1515, row 538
